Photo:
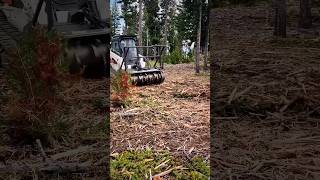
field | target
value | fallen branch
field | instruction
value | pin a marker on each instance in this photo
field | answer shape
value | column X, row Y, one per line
column 168, row 171
column 72, row 152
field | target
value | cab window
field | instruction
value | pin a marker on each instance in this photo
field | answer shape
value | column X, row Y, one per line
column 115, row 47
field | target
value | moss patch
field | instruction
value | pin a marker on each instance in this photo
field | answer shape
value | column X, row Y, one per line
column 138, row 165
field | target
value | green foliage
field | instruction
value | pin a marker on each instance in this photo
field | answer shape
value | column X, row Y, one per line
column 132, row 164
column 186, row 21
column 199, row 165
column 153, row 25
column 130, row 16
column 190, row 58
column 175, row 57
column 137, row 165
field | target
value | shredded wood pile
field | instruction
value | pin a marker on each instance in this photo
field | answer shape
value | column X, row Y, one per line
column 81, row 148
column 266, row 103
column 173, row 116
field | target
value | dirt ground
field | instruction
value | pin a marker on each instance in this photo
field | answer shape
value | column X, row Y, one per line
column 266, row 98
column 172, row 116
column 82, row 144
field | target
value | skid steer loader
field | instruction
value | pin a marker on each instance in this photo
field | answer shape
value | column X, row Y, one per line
column 84, row 25
column 125, row 55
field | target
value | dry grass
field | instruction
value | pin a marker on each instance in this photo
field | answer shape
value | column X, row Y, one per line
column 81, row 138
column 173, row 116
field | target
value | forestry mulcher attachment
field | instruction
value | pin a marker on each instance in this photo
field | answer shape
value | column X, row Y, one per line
column 84, row 24
column 125, row 55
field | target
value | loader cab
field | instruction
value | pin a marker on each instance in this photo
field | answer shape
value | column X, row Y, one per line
column 119, row 42
column 125, row 56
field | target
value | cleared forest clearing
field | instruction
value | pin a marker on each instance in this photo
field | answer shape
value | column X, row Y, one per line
column 172, row 116
column 266, row 98
column 164, row 129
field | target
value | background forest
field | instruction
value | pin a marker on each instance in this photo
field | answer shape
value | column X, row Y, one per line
column 167, row 22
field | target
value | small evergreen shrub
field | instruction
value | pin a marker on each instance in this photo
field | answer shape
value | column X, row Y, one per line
column 33, row 78
column 120, row 88
column 176, row 57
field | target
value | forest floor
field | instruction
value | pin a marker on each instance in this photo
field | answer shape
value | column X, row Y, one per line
column 266, row 97
column 78, row 136
column 173, row 116
column 170, row 119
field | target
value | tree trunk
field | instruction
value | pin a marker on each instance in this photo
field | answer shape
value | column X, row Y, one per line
column 305, row 19
column 147, row 42
column 198, row 52
column 280, row 21
column 206, row 45
column 166, row 32
column 140, row 24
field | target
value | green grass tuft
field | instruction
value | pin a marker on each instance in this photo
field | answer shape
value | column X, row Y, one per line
column 137, row 165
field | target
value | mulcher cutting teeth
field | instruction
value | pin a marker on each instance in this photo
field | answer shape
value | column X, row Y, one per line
column 142, row 78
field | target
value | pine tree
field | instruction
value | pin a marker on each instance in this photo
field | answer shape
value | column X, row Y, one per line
column 130, row 15
column 187, row 20
column 115, row 19
column 151, row 20
column 169, row 8
column 140, row 23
